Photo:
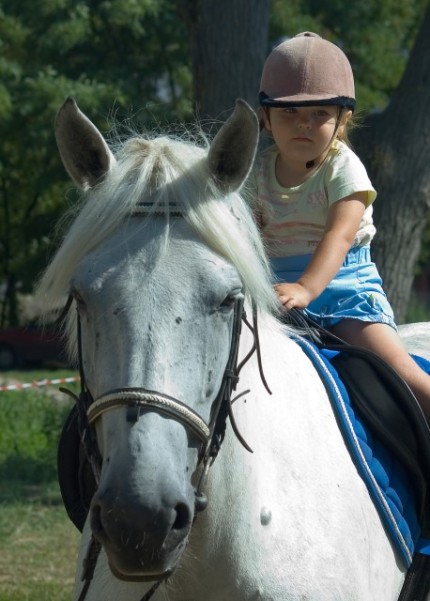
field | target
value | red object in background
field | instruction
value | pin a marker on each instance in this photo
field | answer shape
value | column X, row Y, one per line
column 30, row 345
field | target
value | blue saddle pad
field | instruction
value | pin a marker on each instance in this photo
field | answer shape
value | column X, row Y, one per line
column 386, row 479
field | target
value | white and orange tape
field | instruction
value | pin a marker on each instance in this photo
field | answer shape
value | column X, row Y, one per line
column 39, row 383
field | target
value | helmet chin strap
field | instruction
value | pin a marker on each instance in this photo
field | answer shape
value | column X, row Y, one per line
column 313, row 162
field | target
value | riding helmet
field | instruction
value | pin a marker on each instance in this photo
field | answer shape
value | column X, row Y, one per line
column 307, row 70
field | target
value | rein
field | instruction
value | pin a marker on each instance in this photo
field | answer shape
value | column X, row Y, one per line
column 211, row 434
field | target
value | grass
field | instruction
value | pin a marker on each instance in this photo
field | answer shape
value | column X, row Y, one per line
column 38, row 543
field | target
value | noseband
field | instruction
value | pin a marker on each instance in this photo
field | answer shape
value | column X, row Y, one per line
column 137, row 398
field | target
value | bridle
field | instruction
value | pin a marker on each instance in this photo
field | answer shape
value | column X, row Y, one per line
column 135, row 399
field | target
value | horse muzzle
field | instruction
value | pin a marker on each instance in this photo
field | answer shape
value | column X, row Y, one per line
column 141, row 543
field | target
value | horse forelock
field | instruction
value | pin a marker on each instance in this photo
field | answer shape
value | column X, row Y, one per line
column 172, row 175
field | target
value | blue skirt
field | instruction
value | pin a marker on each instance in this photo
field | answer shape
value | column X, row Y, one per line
column 354, row 293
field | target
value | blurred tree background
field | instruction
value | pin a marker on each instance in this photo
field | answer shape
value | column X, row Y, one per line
column 149, row 63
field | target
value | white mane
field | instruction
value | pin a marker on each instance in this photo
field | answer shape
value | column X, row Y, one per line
column 169, row 174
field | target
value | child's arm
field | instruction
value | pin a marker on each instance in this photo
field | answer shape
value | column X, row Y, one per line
column 343, row 221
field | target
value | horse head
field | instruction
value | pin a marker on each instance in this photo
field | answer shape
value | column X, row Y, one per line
column 158, row 301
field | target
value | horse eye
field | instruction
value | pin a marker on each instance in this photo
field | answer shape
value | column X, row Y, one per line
column 230, row 299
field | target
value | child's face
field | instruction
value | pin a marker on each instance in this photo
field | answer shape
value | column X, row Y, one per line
column 303, row 133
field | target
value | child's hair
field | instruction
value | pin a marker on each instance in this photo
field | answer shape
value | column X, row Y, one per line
column 343, row 135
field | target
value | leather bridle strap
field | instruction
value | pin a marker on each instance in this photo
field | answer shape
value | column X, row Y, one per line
column 141, row 398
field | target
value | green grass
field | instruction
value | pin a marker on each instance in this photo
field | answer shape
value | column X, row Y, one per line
column 38, row 543
column 30, row 424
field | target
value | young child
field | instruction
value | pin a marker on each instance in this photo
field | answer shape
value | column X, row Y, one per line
column 313, row 201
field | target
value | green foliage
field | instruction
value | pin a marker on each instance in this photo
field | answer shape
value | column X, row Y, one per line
column 30, row 425
column 117, row 56
column 129, row 61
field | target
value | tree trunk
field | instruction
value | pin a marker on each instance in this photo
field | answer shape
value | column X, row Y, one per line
column 395, row 146
column 229, row 45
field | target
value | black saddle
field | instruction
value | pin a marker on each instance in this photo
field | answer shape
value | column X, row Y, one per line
column 385, row 403
column 74, row 471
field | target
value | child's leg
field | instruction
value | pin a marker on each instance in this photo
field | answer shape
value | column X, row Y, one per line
column 383, row 340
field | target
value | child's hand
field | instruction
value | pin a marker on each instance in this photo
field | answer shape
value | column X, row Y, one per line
column 293, row 295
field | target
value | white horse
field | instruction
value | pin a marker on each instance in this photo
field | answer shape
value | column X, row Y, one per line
column 416, row 338
column 158, row 260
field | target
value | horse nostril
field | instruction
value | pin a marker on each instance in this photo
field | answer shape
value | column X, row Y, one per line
column 183, row 517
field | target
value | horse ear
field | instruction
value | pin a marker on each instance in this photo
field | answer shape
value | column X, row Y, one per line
column 84, row 153
column 233, row 149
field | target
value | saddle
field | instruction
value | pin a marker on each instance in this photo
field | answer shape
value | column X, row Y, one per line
column 74, row 471
column 384, row 402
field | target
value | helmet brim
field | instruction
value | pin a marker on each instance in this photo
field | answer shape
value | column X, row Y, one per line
column 306, row 100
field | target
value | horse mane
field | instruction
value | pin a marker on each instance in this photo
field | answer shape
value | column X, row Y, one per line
column 169, row 175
